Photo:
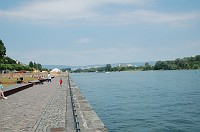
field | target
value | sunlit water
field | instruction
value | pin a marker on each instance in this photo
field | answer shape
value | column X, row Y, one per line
column 144, row 101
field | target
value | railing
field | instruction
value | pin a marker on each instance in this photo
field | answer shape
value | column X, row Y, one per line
column 76, row 122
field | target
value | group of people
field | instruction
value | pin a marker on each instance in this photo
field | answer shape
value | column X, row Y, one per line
column 49, row 79
column 20, row 80
column 40, row 78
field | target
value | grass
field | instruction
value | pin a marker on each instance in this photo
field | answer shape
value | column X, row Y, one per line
column 12, row 81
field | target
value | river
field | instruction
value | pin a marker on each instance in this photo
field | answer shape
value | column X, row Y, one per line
column 142, row 101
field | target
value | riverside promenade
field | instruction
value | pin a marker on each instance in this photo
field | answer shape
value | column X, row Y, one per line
column 48, row 108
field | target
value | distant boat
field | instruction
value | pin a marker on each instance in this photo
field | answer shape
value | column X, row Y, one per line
column 107, row 72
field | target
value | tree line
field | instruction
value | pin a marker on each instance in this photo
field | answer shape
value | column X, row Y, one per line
column 178, row 64
column 109, row 68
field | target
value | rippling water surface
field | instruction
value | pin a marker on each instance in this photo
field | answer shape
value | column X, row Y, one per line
column 144, row 101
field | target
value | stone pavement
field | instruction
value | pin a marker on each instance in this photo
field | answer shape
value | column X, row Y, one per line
column 47, row 108
column 38, row 108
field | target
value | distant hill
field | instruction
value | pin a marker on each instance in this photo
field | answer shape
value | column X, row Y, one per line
column 100, row 65
column 58, row 66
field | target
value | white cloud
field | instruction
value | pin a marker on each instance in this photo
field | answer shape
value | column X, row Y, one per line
column 136, row 2
column 69, row 11
column 147, row 16
column 84, row 40
column 60, row 10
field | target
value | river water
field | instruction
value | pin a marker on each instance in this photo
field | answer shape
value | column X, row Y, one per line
column 144, row 101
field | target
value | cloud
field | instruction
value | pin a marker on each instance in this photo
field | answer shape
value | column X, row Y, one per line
column 68, row 11
column 147, row 16
column 84, row 40
column 72, row 11
column 135, row 2
column 60, row 10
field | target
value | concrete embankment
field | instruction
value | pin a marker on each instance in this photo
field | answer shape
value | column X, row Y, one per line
column 87, row 117
column 49, row 108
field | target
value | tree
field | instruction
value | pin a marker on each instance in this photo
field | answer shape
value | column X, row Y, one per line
column 197, row 57
column 2, row 49
column 34, row 65
column 108, row 67
column 39, row 66
column 195, row 66
column 180, row 63
column 157, row 66
column 78, row 70
column 8, row 60
column 31, row 64
column 66, row 69
column 147, row 66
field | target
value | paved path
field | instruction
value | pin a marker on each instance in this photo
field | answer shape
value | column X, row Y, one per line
column 38, row 108
column 48, row 108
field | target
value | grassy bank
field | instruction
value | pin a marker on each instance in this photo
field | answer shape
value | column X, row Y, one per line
column 12, row 81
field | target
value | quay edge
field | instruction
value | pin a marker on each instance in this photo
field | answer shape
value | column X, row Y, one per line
column 87, row 117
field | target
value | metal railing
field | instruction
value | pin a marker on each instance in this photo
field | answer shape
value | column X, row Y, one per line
column 75, row 116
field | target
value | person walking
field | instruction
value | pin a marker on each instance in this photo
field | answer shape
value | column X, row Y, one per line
column 49, row 77
column 61, row 81
column 1, row 91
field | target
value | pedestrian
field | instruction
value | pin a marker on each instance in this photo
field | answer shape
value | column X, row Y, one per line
column 1, row 91
column 49, row 77
column 41, row 80
column 61, row 81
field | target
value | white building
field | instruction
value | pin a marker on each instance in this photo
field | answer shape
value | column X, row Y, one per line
column 56, row 70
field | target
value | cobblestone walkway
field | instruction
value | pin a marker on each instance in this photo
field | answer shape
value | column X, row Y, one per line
column 38, row 108
column 54, row 117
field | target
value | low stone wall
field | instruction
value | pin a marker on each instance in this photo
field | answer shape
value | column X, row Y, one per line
column 16, row 88
column 19, row 87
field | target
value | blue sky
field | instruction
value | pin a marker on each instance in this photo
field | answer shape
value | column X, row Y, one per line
column 83, row 32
